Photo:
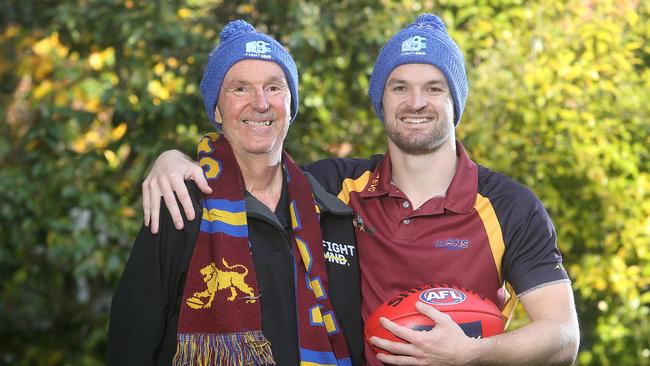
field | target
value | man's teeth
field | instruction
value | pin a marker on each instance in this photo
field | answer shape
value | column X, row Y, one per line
column 257, row 123
column 415, row 120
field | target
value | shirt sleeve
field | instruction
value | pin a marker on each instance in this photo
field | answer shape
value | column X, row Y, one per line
column 331, row 173
column 144, row 309
column 532, row 258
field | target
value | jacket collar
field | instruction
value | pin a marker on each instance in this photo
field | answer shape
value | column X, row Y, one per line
column 326, row 203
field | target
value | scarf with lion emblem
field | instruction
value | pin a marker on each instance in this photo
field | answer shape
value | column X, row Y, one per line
column 220, row 318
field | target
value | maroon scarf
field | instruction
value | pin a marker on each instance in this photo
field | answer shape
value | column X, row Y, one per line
column 220, row 320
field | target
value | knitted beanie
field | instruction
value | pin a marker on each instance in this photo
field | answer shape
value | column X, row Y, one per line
column 240, row 41
column 423, row 42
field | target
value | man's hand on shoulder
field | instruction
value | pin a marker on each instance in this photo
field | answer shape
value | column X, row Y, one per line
column 167, row 176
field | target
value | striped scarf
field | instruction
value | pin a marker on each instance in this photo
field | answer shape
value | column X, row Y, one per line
column 220, row 319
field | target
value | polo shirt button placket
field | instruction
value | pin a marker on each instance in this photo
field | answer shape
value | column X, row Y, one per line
column 403, row 232
column 406, row 204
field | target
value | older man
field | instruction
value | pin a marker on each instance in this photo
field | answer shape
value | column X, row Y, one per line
column 248, row 284
column 415, row 204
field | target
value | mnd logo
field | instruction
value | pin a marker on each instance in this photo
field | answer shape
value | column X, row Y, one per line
column 414, row 45
column 338, row 253
column 452, row 244
column 258, row 48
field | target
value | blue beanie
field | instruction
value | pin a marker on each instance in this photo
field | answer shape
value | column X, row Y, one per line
column 240, row 41
column 424, row 42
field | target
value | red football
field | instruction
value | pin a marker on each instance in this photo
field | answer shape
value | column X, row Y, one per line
column 476, row 315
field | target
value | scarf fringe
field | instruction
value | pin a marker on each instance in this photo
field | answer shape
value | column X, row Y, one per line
column 231, row 349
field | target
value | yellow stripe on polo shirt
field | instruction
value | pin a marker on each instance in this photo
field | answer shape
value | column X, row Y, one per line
column 493, row 230
column 353, row 185
column 495, row 236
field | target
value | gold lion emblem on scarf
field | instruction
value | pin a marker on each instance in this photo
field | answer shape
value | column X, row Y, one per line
column 216, row 279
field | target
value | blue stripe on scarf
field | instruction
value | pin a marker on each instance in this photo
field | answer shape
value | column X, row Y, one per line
column 221, row 227
column 226, row 205
column 215, row 225
column 310, row 357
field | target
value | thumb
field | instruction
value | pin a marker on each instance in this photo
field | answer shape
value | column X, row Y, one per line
column 198, row 177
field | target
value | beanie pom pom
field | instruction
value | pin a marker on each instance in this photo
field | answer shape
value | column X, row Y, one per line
column 235, row 27
column 430, row 20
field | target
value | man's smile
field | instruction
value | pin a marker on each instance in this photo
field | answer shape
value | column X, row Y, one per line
column 415, row 120
column 251, row 122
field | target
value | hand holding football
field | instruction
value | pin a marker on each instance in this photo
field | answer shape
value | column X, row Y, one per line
column 477, row 316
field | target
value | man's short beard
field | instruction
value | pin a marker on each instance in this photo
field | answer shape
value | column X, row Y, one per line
column 437, row 138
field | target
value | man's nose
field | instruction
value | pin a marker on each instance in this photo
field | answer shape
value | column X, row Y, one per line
column 416, row 99
column 260, row 100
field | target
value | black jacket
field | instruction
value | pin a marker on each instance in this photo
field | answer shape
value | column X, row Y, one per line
column 146, row 304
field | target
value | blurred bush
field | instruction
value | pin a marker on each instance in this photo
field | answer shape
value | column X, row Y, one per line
column 92, row 91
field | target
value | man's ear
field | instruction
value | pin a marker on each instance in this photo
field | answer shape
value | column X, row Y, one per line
column 217, row 115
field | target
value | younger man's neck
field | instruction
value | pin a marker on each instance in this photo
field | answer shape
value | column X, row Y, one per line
column 422, row 177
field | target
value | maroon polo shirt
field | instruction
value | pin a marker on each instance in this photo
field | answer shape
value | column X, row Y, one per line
column 487, row 234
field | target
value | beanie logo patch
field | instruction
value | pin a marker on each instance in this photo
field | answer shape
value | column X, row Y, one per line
column 414, row 45
column 258, row 49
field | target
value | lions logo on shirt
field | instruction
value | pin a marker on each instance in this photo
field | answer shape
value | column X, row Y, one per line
column 362, row 226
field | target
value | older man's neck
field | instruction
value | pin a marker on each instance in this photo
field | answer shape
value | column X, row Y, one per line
column 263, row 179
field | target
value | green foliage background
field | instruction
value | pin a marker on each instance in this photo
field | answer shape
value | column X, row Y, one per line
column 92, row 91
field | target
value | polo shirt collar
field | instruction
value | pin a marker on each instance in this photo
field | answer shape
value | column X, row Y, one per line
column 461, row 194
